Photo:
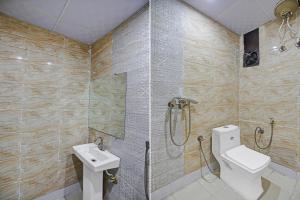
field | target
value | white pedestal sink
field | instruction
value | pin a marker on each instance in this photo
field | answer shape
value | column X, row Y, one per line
column 95, row 162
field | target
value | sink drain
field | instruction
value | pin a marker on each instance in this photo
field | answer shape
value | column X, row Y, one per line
column 93, row 160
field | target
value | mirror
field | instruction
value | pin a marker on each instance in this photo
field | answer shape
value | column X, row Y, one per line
column 107, row 103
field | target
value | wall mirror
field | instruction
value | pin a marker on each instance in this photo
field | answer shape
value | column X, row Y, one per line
column 107, row 103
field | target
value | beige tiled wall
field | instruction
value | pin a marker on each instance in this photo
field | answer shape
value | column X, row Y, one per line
column 43, row 109
column 195, row 57
column 272, row 90
column 211, row 78
column 227, row 92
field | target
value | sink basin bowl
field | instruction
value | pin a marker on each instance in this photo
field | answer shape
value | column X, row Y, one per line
column 94, row 162
column 96, row 159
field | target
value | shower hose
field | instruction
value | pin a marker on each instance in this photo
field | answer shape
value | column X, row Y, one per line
column 173, row 127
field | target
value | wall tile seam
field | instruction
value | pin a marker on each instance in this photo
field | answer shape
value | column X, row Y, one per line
column 26, row 59
column 266, row 123
column 35, row 51
column 28, row 48
column 30, row 26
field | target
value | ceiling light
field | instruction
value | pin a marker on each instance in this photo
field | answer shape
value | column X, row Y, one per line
column 19, row 57
column 49, row 63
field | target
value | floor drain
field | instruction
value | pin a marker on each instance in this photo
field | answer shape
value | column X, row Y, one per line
column 93, row 160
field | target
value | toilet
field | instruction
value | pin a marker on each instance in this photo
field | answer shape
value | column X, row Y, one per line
column 240, row 167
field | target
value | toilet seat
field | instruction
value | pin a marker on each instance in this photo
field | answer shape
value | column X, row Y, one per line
column 246, row 158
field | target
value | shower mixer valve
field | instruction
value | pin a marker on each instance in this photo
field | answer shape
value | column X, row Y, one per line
column 183, row 104
column 180, row 102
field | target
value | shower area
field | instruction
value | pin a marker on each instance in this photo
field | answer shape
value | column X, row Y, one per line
column 254, row 85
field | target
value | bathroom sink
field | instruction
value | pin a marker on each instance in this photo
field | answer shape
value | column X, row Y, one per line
column 96, row 159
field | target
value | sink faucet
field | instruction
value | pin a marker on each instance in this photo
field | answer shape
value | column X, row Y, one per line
column 100, row 144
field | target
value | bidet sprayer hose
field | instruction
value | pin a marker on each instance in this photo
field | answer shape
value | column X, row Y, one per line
column 260, row 131
column 200, row 139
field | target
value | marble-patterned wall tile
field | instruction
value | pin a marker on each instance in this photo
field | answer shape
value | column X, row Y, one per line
column 125, row 49
column 44, row 91
column 166, row 83
column 10, row 171
column 76, row 46
column 210, row 77
column 195, row 62
column 271, row 90
column 9, row 191
column 101, row 44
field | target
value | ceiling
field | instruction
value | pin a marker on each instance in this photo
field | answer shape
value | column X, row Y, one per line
column 83, row 20
column 240, row 16
column 89, row 20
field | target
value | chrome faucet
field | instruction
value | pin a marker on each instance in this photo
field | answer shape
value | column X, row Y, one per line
column 100, row 144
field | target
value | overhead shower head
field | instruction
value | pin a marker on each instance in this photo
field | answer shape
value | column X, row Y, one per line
column 286, row 8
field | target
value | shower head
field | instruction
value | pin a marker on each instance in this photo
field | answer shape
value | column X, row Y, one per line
column 286, row 9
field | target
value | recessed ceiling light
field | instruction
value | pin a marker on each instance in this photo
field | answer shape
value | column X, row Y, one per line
column 19, row 57
column 49, row 63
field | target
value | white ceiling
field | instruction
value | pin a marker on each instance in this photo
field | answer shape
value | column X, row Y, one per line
column 240, row 16
column 83, row 20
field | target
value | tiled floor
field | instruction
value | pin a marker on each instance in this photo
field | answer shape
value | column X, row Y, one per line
column 276, row 186
column 77, row 195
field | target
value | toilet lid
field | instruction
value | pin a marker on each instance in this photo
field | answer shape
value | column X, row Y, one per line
column 248, row 158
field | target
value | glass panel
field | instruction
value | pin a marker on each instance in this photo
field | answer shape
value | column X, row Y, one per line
column 107, row 104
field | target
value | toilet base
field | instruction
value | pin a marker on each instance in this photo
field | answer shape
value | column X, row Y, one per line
column 249, row 187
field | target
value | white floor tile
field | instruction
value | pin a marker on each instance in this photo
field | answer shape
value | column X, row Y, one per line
column 193, row 191
column 296, row 192
column 271, row 190
column 218, row 189
column 74, row 196
column 268, row 172
column 286, row 184
column 170, row 198
column 280, row 187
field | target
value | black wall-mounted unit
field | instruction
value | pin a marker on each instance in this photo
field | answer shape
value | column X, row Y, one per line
column 251, row 48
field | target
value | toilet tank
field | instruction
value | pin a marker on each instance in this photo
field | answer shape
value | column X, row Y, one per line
column 225, row 138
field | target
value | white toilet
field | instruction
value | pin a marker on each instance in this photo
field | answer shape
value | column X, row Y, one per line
column 240, row 167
